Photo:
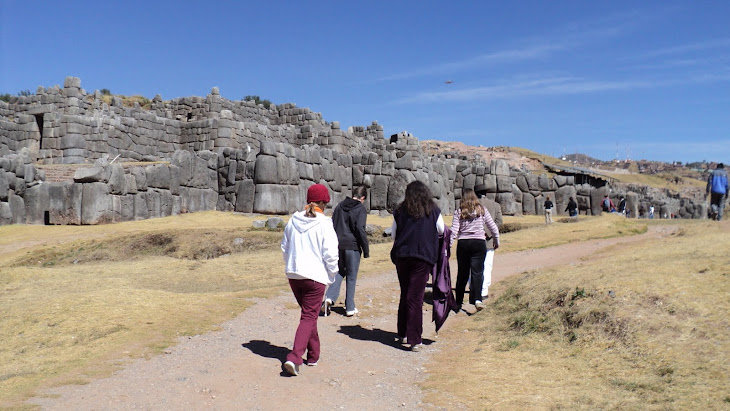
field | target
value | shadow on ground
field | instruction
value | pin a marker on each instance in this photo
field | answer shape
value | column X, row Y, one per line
column 266, row 349
column 376, row 334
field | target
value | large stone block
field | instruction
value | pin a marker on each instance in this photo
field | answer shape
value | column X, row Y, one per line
column 64, row 203
column 183, row 160
column 499, row 167
column 544, row 182
column 158, row 176
column 91, row 175
column 245, row 191
column 560, row 180
column 397, row 188
column 37, row 204
column 141, row 210
column 4, row 186
column 528, row 204
column 266, row 170
column 273, row 198
column 532, row 182
column 96, row 204
column 597, row 195
column 522, row 183
column 504, row 184
column 508, row 203
column 379, row 193
column 6, row 216
column 117, row 180
column 562, row 197
column 490, row 182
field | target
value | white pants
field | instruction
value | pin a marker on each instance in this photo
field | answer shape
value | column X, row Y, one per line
column 488, row 263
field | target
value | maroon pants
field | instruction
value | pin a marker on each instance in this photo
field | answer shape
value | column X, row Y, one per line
column 309, row 295
column 412, row 276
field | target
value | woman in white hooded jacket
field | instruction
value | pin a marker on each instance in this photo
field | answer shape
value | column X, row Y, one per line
column 311, row 256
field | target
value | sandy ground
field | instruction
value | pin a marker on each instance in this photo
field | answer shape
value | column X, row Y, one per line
column 239, row 367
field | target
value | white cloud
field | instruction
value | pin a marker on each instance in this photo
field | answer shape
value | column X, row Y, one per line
column 691, row 47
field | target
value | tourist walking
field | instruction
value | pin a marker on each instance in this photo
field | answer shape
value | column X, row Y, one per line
column 717, row 189
column 548, row 206
column 622, row 206
column 572, row 208
column 311, row 256
column 349, row 219
column 494, row 210
column 417, row 223
column 468, row 227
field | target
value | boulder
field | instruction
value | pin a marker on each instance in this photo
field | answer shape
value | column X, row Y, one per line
column 158, row 176
column 522, row 183
column 64, row 203
column 274, row 199
column 37, row 204
column 96, row 204
column 245, row 191
column 379, row 193
column 117, row 181
column 504, row 184
column 562, row 197
column 91, row 175
column 597, row 195
column 528, row 204
column 508, row 203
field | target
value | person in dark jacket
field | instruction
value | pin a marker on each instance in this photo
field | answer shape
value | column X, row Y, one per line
column 572, row 207
column 417, row 223
column 349, row 219
column 548, row 206
column 717, row 189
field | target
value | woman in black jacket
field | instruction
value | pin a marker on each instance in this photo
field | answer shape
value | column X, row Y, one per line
column 349, row 219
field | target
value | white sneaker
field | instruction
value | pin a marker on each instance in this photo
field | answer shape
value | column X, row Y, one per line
column 478, row 305
column 291, row 368
column 327, row 306
column 351, row 313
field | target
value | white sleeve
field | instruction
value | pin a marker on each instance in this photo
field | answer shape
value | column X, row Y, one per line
column 440, row 224
column 392, row 229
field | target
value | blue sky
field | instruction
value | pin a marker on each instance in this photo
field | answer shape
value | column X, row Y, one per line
column 639, row 79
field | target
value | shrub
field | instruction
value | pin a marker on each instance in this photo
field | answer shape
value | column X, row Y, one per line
column 257, row 100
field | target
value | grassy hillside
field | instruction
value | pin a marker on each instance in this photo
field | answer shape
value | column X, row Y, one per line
column 642, row 326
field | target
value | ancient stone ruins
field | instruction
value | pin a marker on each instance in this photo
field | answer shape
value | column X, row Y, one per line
column 67, row 157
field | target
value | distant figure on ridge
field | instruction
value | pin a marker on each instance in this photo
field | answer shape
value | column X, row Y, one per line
column 572, row 208
column 717, row 189
column 311, row 258
column 349, row 219
column 548, row 205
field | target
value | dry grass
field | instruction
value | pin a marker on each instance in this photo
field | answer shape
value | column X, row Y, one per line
column 531, row 232
column 662, row 180
column 557, row 339
column 78, row 301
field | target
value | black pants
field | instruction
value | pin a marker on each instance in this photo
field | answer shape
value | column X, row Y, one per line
column 470, row 256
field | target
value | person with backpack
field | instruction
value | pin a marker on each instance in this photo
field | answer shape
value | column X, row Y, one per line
column 349, row 219
column 311, row 258
column 717, row 189
column 607, row 205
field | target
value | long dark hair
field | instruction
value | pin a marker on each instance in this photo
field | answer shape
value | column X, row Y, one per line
column 418, row 201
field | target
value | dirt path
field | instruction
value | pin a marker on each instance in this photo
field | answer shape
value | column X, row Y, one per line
column 240, row 367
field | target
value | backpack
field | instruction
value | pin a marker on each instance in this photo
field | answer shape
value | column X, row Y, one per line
column 606, row 204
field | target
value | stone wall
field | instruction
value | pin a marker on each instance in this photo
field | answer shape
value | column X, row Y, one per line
column 193, row 154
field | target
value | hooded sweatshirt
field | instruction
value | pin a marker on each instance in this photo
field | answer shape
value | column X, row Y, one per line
column 349, row 220
column 310, row 248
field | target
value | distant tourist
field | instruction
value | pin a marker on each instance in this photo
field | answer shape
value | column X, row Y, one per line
column 572, row 208
column 495, row 210
column 311, row 257
column 651, row 211
column 468, row 226
column 717, row 189
column 417, row 223
column 607, row 205
column 548, row 205
column 622, row 206
column 349, row 219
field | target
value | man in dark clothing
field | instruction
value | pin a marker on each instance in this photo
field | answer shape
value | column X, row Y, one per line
column 572, row 208
column 717, row 189
column 622, row 205
column 349, row 219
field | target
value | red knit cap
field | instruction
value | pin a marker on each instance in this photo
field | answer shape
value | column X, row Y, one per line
column 317, row 193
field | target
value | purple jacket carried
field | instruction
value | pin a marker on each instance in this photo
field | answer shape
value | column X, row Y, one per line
column 443, row 297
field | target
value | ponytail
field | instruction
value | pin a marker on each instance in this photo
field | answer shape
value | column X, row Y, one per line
column 309, row 210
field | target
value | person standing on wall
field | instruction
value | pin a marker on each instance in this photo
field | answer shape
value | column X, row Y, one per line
column 572, row 208
column 349, row 219
column 417, row 223
column 471, row 250
column 495, row 210
column 548, row 205
column 717, row 189
column 311, row 258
